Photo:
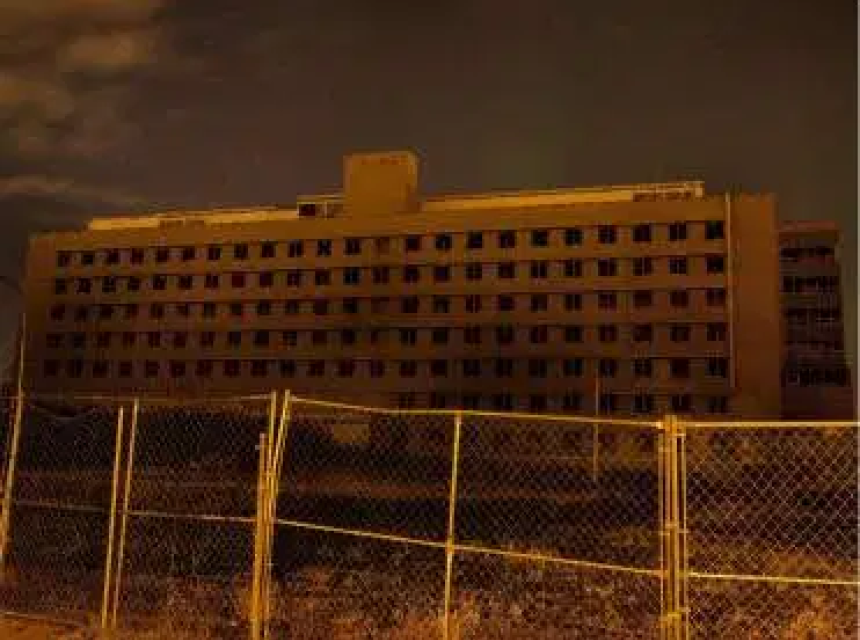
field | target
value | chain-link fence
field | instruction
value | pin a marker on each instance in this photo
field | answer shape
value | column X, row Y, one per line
column 771, row 510
column 282, row 517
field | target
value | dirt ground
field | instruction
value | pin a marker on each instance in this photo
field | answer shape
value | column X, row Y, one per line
column 17, row 629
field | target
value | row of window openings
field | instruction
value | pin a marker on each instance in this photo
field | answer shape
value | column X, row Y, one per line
column 813, row 284
column 816, row 376
column 803, row 316
column 606, row 300
column 608, row 403
column 606, row 234
column 504, row 335
column 799, row 254
column 679, row 368
column 538, row 270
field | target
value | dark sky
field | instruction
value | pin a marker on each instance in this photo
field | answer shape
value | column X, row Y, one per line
column 140, row 104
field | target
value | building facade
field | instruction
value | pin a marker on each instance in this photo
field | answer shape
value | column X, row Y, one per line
column 618, row 300
column 816, row 376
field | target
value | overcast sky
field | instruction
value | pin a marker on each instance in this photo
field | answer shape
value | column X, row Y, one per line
column 109, row 105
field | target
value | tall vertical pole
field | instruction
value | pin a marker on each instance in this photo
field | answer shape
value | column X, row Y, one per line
column 259, row 542
column 447, row 631
column 126, row 502
column 111, row 535
column 595, row 436
column 9, row 480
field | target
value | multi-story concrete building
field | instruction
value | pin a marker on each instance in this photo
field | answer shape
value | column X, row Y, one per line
column 630, row 299
column 816, row 376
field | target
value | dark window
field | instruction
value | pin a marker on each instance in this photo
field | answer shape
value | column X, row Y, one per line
column 323, row 248
column 207, row 339
column 643, row 299
column 79, row 340
column 64, row 259
column 473, row 304
column 88, row 258
column 506, row 303
column 180, row 340
column 126, row 369
column 352, row 246
column 679, row 333
column 716, row 297
column 377, row 368
column 209, row 309
column 82, row 313
column 237, row 309
column 84, row 285
column 537, row 403
column 715, row 230
column 507, row 239
column 717, row 332
column 718, row 404
column 234, row 338
column 268, row 250
column 441, row 304
column 443, row 242
column 213, row 253
column 606, row 234
column 643, row 333
column 474, row 271
column 504, row 368
column 159, row 283
column 205, row 368
column 109, row 284
column 103, row 339
column 185, row 282
column 678, row 266
column 408, row 337
column 379, row 305
column 507, row 270
column 290, row 338
column 411, row 274
column 58, row 311
column 471, row 368
column 573, row 333
column 60, row 286
column 573, row 237
column 539, row 270
column 413, row 243
column 679, row 367
column 259, row 368
column 292, row 307
column 232, row 368
column 188, row 254
column 678, row 231
column 682, row 403
column 607, row 333
column 607, row 367
column 505, row 334
column 382, row 245
column 348, row 337
column 539, row 335
column 322, row 277
column 54, row 340
column 112, row 256
column 409, row 305
column 607, row 267
column 573, row 268
column 643, row 266
column 475, row 240
column 718, row 367
column 295, row 249
column 350, row 305
column 643, row 403
column 320, row 307
column 100, row 369
column 408, row 369
column 156, row 310
column 153, row 339
column 211, row 281
column 288, row 368
column 261, row 338
column 573, row 301
column 266, row 279
column 351, row 275
column 346, row 368
column 440, row 335
column 380, row 275
column 642, row 233
column 539, row 302
column 105, row 311
column 137, row 256
column 150, row 369
column 538, row 368
column 679, row 298
column 540, row 238
column 607, row 300
column 442, row 273
column 643, row 368
column 715, row 264
column 572, row 402
column 240, row 252
column 75, row 368
column 573, row 367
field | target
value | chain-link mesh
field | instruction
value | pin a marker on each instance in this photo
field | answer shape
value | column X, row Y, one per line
column 60, row 509
column 772, row 517
column 363, row 506
column 188, row 533
column 535, row 494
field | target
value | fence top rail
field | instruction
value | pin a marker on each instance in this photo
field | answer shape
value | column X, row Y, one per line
column 145, row 399
column 512, row 415
column 774, row 424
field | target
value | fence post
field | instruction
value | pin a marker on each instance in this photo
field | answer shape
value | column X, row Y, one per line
column 452, row 521
column 259, row 542
column 126, row 502
column 673, row 531
column 111, row 533
column 9, row 480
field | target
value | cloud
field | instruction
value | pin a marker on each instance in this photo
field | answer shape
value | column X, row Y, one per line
column 67, row 190
column 64, row 71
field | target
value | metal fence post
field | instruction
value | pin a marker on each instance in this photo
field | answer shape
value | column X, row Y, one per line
column 111, row 533
column 259, row 542
column 9, row 480
column 452, row 522
column 126, row 501
column 673, row 532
